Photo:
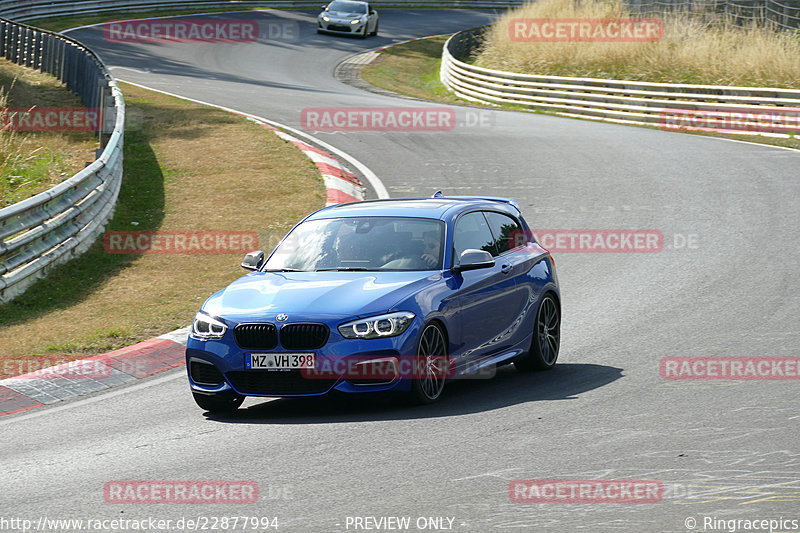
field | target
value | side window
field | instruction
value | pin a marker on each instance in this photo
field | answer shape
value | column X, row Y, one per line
column 504, row 229
column 472, row 232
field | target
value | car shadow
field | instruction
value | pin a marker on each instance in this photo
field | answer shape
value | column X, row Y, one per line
column 465, row 396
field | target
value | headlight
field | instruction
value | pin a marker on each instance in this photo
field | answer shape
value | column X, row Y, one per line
column 205, row 327
column 326, row 18
column 356, row 21
column 377, row 326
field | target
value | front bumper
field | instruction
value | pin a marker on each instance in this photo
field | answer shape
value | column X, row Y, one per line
column 344, row 28
column 216, row 366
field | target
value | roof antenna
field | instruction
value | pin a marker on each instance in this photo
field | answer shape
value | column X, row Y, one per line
column 438, row 194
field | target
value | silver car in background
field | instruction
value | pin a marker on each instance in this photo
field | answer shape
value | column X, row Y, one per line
column 348, row 17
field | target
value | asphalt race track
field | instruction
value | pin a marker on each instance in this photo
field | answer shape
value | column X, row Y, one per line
column 724, row 284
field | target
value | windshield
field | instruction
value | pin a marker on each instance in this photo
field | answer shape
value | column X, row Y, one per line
column 361, row 243
column 348, row 7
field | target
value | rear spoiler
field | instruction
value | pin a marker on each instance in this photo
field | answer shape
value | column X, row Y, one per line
column 500, row 199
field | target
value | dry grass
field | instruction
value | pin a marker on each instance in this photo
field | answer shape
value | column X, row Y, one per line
column 691, row 51
column 32, row 162
column 187, row 167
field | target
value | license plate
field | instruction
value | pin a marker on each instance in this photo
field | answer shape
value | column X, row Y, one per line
column 279, row 361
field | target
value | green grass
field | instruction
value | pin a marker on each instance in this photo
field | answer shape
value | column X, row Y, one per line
column 411, row 69
column 34, row 161
column 25, row 175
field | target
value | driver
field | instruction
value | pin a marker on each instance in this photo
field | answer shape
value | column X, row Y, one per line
column 433, row 246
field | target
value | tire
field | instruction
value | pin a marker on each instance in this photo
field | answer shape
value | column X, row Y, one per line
column 224, row 402
column 430, row 360
column 363, row 35
column 546, row 341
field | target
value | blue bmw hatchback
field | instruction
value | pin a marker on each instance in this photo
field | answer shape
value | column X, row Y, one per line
column 384, row 295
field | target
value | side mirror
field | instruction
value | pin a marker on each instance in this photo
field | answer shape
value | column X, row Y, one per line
column 253, row 260
column 472, row 259
column 373, row 12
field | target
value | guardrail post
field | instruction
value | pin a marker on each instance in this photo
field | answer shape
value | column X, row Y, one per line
column 16, row 44
column 108, row 113
column 2, row 38
column 26, row 47
column 61, row 52
column 37, row 50
column 785, row 24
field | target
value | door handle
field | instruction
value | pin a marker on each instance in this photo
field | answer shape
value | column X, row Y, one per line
column 505, row 269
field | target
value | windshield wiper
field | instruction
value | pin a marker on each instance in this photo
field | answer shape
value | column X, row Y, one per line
column 283, row 270
column 339, row 269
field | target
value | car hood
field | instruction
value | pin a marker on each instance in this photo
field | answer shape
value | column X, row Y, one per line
column 306, row 294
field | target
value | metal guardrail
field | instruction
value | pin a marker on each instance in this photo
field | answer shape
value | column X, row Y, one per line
column 58, row 224
column 776, row 14
column 32, row 9
column 626, row 102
